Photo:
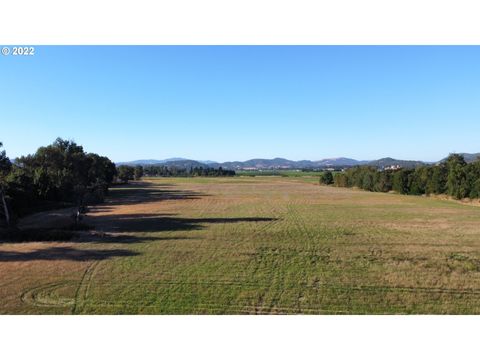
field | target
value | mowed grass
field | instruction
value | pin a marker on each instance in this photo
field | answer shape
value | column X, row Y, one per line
column 262, row 245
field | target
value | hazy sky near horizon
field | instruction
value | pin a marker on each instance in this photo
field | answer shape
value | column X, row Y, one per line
column 241, row 102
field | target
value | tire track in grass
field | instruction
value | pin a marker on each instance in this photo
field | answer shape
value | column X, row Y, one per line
column 42, row 296
column 207, row 307
column 83, row 288
column 305, row 234
column 258, row 230
column 226, row 232
column 346, row 287
column 234, row 309
column 261, row 308
column 267, row 309
column 275, row 284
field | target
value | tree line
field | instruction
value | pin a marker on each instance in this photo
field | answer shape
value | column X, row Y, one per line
column 58, row 173
column 126, row 172
column 454, row 177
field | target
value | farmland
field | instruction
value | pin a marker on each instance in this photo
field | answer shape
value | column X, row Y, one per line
column 249, row 245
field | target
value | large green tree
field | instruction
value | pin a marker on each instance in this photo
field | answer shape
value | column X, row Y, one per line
column 58, row 173
column 138, row 173
column 437, row 183
column 383, row 181
column 418, row 181
column 57, row 169
column 125, row 173
column 457, row 185
column 473, row 178
column 401, row 181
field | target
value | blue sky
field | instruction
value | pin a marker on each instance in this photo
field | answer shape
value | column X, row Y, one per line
column 241, row 102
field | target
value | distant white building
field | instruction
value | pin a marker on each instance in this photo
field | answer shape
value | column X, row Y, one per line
column 392, row 167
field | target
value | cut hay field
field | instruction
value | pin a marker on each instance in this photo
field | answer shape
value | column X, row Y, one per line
column 253, row 245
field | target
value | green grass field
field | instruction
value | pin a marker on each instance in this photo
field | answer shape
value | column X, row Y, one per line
column 250, row 245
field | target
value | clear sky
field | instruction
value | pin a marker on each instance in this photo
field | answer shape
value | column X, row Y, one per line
column 236, row 103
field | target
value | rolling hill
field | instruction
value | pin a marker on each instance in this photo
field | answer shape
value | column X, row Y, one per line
column 469, row 157
column 386, row 162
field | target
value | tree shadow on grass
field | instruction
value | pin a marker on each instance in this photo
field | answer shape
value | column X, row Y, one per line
column 124, row 229
column 113, row 229
column 120, row 224
column 99, row 237
column 64, row 253
column 146, row 223
column 144, row 192
column 79, row 237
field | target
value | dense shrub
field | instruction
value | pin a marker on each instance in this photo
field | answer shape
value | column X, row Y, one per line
column 326, row 178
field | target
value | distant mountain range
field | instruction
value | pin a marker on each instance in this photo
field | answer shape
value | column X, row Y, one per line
column 280, row 163
column 277, row 163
